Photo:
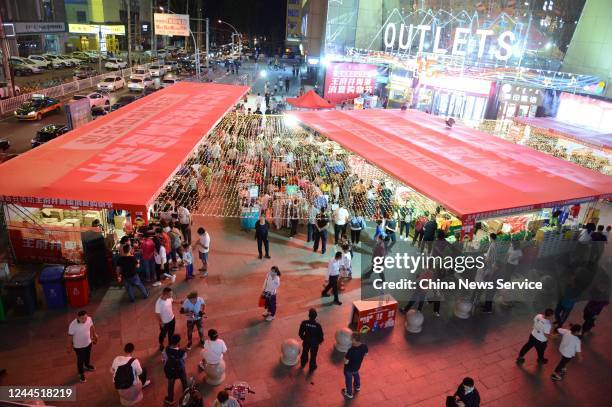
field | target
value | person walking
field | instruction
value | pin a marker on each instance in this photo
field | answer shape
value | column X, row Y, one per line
column 352, row 363
column 214, row 349
column 590, row 313
column 165, row 315
column 173, row 358
column 147, row 251
column 194, row 307
column 569, row 348
column 294, row 218
column 83, row 336
column 187, row 258
column 127, row 265
column 270, row 286
column 203, row 246
column 542, row 325
column 185, row 222
column 129, row 376
column 418, row 229
column 261, row 235
column 322, row 221
column 333, row 273
column 429, row 234
column 311, row 226
column 287, row 84
column 466, row 395
column 311, row 334
column 391, row 228
column 405, row 218
column 341, row 216
column 357, row 224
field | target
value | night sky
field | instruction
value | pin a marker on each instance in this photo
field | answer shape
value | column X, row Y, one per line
column 252, row 17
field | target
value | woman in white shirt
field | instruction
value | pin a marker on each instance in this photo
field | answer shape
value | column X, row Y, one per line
column 270, row 286
column 513, row 257
column 160, row 260
column 213, row 351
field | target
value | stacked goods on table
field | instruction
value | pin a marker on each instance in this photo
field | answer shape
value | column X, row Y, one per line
column 552, row 242
column 586, row 158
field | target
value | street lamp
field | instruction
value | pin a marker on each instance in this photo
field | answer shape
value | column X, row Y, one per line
column 195, row 47
column 237, row 34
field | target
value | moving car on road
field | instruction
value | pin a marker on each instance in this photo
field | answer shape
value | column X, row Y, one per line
column 140, row 84
column 36, row 107
column 140, row 73
column 95, row 99
column 115, row 63
column 48, row 133
column 157, row 70
column 111, row 83
column 169, row 80
column 124, row 100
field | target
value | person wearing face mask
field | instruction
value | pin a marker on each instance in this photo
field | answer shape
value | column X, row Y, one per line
column 270, row 286
column 466, row 395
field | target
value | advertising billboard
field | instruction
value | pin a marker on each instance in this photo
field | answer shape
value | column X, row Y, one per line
column 345, row 81
column 172, row 24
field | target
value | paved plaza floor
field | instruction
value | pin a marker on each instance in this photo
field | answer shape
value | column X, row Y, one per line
column 401, row 369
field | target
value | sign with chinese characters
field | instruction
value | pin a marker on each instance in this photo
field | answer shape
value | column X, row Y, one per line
column 96, row 29
column 373, row 315
column 46, row 246
column 172, row 24
column 39, row 27
column 345, row 81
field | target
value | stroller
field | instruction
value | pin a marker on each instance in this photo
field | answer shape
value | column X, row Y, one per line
column 191, row 396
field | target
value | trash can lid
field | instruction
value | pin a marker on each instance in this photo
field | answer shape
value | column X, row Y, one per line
column 51, row 273
column 75, row 271
column 22, row 279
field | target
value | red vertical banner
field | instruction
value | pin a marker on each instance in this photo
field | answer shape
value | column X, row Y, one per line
column 345, row 81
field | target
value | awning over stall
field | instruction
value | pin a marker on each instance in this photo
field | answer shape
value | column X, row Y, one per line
column 310, row 100
column 471, row 173
column 580, row 135
column 121, row 160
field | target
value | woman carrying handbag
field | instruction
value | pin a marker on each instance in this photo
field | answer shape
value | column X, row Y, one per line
column 271, row 284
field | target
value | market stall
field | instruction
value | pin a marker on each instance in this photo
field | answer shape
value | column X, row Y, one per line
column 482, row 181
column 103, row 177
column 310, row 100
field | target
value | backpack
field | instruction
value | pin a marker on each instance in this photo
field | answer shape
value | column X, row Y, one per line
column 175, row 240
column 124, row 376
column 174, row 365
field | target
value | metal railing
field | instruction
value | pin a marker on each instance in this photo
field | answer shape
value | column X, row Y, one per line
column 68, row 88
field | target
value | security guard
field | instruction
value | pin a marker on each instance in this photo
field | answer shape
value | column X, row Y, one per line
column 311, row 334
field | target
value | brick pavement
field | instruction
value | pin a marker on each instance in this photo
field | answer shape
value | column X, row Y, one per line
column 401, row 369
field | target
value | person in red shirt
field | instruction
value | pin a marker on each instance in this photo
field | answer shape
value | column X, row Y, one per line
column 147, row 250
column 418, row 228
column 165, row 240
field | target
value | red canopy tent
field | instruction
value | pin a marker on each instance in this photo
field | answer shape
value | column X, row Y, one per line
column 472, row 174
column 124, row 159
column 310, row 100
column 581, row 135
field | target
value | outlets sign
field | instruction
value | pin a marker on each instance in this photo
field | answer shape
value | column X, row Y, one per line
column 402, row 37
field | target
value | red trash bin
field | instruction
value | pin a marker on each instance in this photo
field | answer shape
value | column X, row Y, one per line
column 77, row 286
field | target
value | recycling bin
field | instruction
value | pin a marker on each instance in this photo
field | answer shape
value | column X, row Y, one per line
column 52, row 280
column 21, row 292
column 77, row 286
column 249, row 218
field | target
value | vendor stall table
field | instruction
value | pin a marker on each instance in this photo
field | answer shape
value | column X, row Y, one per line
column 374, row 314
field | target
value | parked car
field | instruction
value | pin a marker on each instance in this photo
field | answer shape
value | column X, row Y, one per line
column 99, row 111
column 58, row 60
column 115, row 63
column 140, row 84
column 157, row 70
column 95, row 99
column 48, row 133
column 111, row 83
column 71, row 61
column 41, row 61
column 170, row 66
column 81, row 56
column 124, row 100
column 85, row 72
column 36, row 107
column 22, row 68
column 169, row 80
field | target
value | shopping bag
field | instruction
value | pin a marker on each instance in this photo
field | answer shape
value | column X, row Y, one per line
column 262, row 301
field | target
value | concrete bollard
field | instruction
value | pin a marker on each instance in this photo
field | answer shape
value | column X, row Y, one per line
column 343, row 339
column 290, row 350
column 215, row 374
column 463, row 308
column 414, row 321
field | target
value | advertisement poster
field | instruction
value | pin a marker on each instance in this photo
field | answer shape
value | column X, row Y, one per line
column 172, row 24
column 345, row 81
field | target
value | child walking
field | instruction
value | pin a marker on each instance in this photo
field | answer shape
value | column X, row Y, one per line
column 187, row 260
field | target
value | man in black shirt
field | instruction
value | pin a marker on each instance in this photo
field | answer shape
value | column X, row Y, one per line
column 126, row 268
column 429, row 234
column 352, row 362
column 322, row 221
column 466, row 395
column 261, row 235
column 311, row 334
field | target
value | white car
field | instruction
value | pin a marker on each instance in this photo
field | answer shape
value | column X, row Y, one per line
column 115, row 63
column 23, row 66
column 170, row 66
column 59, row 61
column 40, row 60
column 25, row 61
column 157, row 70
column 95, row 99
column 68, row 58
column 140, row 73
column 169, row 81
column 140, row 84
column 111, row 83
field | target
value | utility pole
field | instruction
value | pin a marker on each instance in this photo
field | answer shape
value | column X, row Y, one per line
column 153, row 44
column 189, row 22
column 207, row 44
column 199, row 28
column 167, row 37
column 10, row 85
column 129, row 32
column 100, row 48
